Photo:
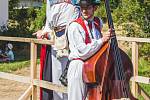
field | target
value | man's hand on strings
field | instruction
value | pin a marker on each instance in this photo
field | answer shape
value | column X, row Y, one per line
column 106, row 37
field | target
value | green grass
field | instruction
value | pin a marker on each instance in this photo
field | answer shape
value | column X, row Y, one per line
column 16, row 65
column 146, row 88
column 13, row 66
column 144, row 70
column 22, row 59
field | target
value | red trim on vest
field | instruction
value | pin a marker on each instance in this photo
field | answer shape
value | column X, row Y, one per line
column 97, row 26
column 77, row 59
column 81, row 22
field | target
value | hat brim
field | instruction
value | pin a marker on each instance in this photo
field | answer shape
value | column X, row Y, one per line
column 85, row 3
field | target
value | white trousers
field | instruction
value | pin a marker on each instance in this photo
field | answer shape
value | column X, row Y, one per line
column 76, row 87
column 58, row 65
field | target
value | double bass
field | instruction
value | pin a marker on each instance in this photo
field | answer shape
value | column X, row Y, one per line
column 107, row 72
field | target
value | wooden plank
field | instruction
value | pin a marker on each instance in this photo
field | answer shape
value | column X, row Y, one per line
column 13, row 77
column 42, row 41
column 28, row 40
column 143, row 93
column 26, row 94
column 140, row 79
column 49, row 85
column 33, row 69
column 135, row 66
column 133, row 39
column 23, row 79
column 17, row 39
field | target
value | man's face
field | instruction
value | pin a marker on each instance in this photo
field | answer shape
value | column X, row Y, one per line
column 88, row 12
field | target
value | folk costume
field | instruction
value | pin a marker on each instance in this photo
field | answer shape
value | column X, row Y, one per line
column 53, row 62
column 84, row 41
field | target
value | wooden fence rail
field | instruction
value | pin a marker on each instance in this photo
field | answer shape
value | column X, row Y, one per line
column 34, row 82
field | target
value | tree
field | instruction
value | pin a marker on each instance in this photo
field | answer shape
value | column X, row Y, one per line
column 40, row 18
column 133, row 16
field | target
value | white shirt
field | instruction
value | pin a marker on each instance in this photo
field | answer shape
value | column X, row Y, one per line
column 76, row 36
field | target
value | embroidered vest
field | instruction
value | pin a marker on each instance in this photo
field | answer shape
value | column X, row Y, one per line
column 97, row 26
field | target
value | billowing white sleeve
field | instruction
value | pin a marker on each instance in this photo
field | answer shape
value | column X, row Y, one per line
column 76, row 36
column 47, row 27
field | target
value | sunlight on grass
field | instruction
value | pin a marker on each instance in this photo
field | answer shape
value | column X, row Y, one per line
column 13, row 66
column 144, row 68
column 146, row 88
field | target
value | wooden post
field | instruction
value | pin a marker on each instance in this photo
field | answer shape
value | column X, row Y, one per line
column 135, row 67
column 33, row 69
column 26, row 94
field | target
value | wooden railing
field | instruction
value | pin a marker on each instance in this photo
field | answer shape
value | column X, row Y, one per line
column 35, row 82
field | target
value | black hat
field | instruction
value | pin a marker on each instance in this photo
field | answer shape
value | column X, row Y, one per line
column 86, row 3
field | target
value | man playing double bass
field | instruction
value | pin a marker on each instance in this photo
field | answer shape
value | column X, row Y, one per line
column 85, row 39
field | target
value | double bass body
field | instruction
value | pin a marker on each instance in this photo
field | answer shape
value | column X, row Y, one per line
column 120, row 88
column 103, row 75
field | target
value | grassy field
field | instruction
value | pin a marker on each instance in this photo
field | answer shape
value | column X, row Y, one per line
column 144, row 70
column 13, row 66
column 22, row 59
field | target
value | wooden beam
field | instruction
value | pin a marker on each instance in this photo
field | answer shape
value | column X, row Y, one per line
column 27, row 40
column 26, row 94
column 13, row 77
column 133, row 39
column 33, row 69
column 17, row 39
column 49, row 85
column 43, row 41
column 23, row 79
column 135, row 67
column 140, row 79
column 50, row 42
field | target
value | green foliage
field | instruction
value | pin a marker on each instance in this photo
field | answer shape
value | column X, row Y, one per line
column 20, row 20
column 144, row 70
column 20, row 23
column 134, row 17
column 145, row 51
column 12, row 4
column 115, row 3
column 128, row 11
column 39, row 20
column 144, row 67
column 101, row 12
column 146, row 88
